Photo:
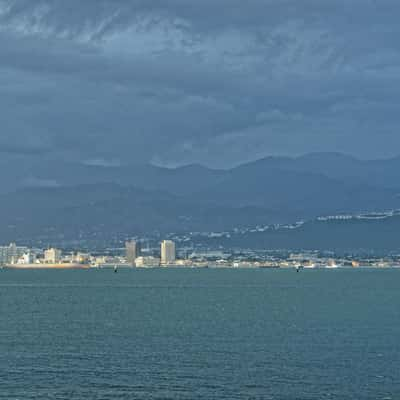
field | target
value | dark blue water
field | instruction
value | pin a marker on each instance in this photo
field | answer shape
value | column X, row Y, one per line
column 200, row 334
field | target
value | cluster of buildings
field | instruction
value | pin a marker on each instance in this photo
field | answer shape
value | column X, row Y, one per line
column 12, row 253
column 132, row 255
column 21, row 256
column 136, row 259
column 24, row 256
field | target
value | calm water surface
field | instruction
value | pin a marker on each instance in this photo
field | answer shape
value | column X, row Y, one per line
column 200, row 334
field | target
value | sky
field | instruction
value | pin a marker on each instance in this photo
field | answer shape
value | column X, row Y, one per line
column 216, row 82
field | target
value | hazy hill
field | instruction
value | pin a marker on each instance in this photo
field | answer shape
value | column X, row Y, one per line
column 76, row 199
column 305, row 193
column 379, row 173
column 348, row 235
column 107, row 210
column 194, row 178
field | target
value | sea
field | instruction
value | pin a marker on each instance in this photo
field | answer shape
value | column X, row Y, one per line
column 200, row 334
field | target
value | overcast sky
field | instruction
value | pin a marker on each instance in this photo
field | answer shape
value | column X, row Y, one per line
column 216, row 82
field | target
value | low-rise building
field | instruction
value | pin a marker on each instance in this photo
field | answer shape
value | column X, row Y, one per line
column 147, row 261
column 52, row 256
column 10, row 254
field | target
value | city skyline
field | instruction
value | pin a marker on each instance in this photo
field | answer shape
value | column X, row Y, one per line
column 199, row 199
column 167, row 256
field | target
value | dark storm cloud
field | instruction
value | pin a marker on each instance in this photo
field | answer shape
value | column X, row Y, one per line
column 180, row 81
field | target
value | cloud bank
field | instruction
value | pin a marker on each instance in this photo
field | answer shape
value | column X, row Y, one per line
column 212, row 82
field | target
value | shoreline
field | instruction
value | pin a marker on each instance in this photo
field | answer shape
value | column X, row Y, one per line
column 46, row 266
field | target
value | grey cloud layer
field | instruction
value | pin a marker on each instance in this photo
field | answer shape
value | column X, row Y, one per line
column 217, row 82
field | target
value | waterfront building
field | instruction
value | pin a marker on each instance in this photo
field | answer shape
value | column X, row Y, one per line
column 10, row 254
column 27, row 258
column 52, row 256
column 81, row 258
column 131, row 251
column 147, row 262
column 168, row 254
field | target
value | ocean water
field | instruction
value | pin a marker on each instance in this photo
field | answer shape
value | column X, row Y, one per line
column 200, row 334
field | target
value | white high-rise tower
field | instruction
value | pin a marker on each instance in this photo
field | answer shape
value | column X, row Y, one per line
column 167, row 252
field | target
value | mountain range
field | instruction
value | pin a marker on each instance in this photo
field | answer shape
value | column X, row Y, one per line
column 66, row 199
column 361, row 234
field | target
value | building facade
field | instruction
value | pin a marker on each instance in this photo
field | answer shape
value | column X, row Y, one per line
column 147, row 262
column 168, row 252
column 132, row 251
column 10, row 254
column 52, row 256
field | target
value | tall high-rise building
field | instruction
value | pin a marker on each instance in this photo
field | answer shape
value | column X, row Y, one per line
column 132, row 250
column 168, row 255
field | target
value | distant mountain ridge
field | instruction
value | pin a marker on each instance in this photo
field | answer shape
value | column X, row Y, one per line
column 187, row 179
column 351, row 234
column 88, row 200
column 381, row 172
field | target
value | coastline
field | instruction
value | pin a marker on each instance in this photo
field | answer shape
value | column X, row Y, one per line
column 46, row 266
